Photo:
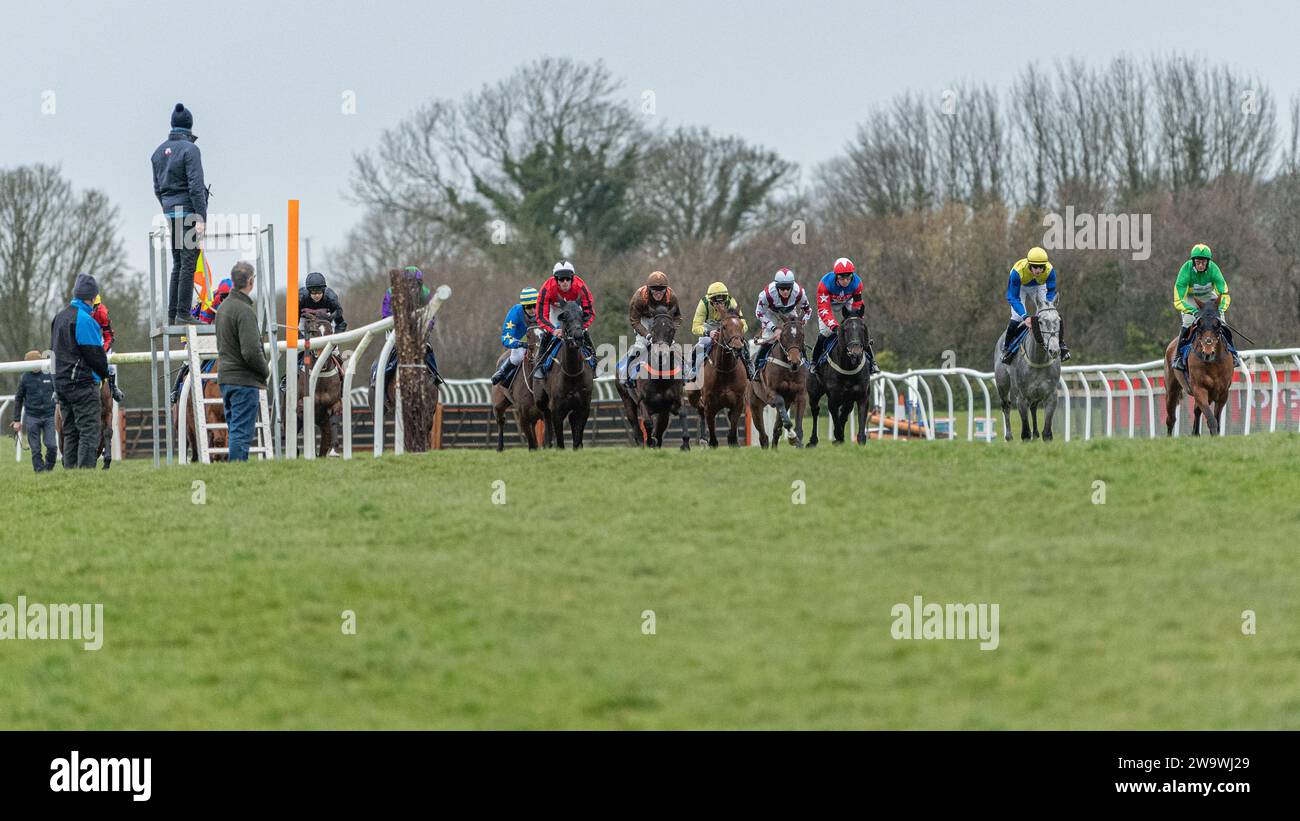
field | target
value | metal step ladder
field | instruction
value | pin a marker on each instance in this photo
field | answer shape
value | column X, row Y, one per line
column 197, row 346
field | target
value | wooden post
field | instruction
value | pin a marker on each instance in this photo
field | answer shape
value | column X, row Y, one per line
column 418, row 393
column 436, row 442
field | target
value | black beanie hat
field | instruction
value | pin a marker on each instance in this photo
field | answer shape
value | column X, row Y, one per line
column 181, row 117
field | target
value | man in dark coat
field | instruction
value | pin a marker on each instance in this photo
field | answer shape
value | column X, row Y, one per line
column 178, row 185
column 79, row 364
column 35, row 404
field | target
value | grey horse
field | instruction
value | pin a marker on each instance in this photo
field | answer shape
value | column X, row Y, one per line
column 1033, row 375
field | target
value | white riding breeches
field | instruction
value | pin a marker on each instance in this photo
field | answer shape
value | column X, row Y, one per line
column 517, row 355
column 1030, row 295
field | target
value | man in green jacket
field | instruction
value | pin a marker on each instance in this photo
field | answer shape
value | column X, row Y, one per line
column 242, row 371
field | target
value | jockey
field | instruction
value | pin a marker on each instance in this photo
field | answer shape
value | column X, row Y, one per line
column 207, row 314
column 99, row 313
column 386, row 310
column 708, row 319
column 783, row 296
column 563, row 285
column 645, row 300
column 841, row 286
column 514, row 335
column 316, row 296
column 1034, row 274
column 1201, row 278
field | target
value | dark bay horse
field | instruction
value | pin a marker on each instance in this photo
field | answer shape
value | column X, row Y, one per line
column 723, row 380
column 565, row 391
column 657, row 393
column 520, row 396
column 782, row 385
column 844, row 379
column 1209, row 373
column 328, row 410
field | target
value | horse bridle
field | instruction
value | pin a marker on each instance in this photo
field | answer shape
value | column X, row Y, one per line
column 1212, row 356
column 787, row 363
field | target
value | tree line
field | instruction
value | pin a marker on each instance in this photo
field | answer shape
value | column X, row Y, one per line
column 934, row 196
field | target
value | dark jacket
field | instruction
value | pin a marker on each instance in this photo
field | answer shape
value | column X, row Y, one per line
column 178, row 175
column 78, row 345
column 239, row 343
column 35, row 395
column 328, row 303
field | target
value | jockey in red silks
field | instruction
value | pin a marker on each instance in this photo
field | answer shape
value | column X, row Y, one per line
column 840, row 287
column 564, row 285
column 100, row 314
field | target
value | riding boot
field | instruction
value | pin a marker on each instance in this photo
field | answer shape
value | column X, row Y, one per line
column 500, row 375
column 117, row 394
column 1060, row 337
column 818, row 348
column 872, row 367
column 1013, row 328
column 1232, row 348
column 542, row 349
column 763, row 351
column 183, row 372
column 749, row 364
column 1180, row 361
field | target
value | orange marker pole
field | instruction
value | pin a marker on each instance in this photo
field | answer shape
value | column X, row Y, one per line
column 291, row 339
column 291, row 287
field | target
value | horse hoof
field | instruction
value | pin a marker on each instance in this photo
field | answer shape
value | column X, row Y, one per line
column 812, row 443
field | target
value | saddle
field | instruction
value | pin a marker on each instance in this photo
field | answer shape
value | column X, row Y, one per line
column 1017, row 342
column 553, row 350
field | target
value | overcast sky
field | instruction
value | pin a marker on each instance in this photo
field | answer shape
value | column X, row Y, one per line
column 265, row 80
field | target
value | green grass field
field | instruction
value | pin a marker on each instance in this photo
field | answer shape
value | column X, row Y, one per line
column 768, row 614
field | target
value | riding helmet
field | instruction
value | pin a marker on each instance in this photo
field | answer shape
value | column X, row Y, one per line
column 844, row 265
column 315, row 280
column 1201, row 251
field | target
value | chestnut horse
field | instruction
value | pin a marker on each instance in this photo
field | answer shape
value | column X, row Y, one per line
column 722, row 381
column 520, row 396
column 1209, row 373
column 657, row 392
column 214, row 411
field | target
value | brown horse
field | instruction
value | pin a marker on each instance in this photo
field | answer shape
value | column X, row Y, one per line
column 722, row 381
column 657, row 392
column 782, row 384
column 1209, row 373
column 215, row 413
column 565, row 392
column 520, row 396
column 328, row 410
column 105, row 448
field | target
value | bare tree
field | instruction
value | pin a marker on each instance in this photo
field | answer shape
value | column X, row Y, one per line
column 702, row 188
column 49, row 234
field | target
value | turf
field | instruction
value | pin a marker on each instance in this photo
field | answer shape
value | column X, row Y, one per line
column 768, row 614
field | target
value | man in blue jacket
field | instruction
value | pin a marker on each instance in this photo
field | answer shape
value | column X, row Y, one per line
column 79, row 364
column 178, row 185
column 35, row 404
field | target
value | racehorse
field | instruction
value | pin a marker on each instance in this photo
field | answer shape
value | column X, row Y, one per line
column 781, row 385
column 723, row 381
column 844, row 379
column 1033, row 375
column 519, row 395
column 214, row 412
column 565, row 391
column 1209, row 373
column 328, row 412
column 104, row 448
column 658, row 388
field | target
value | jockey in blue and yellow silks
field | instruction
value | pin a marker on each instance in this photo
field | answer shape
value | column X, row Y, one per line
column 514, row 334
column 1036, row 275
